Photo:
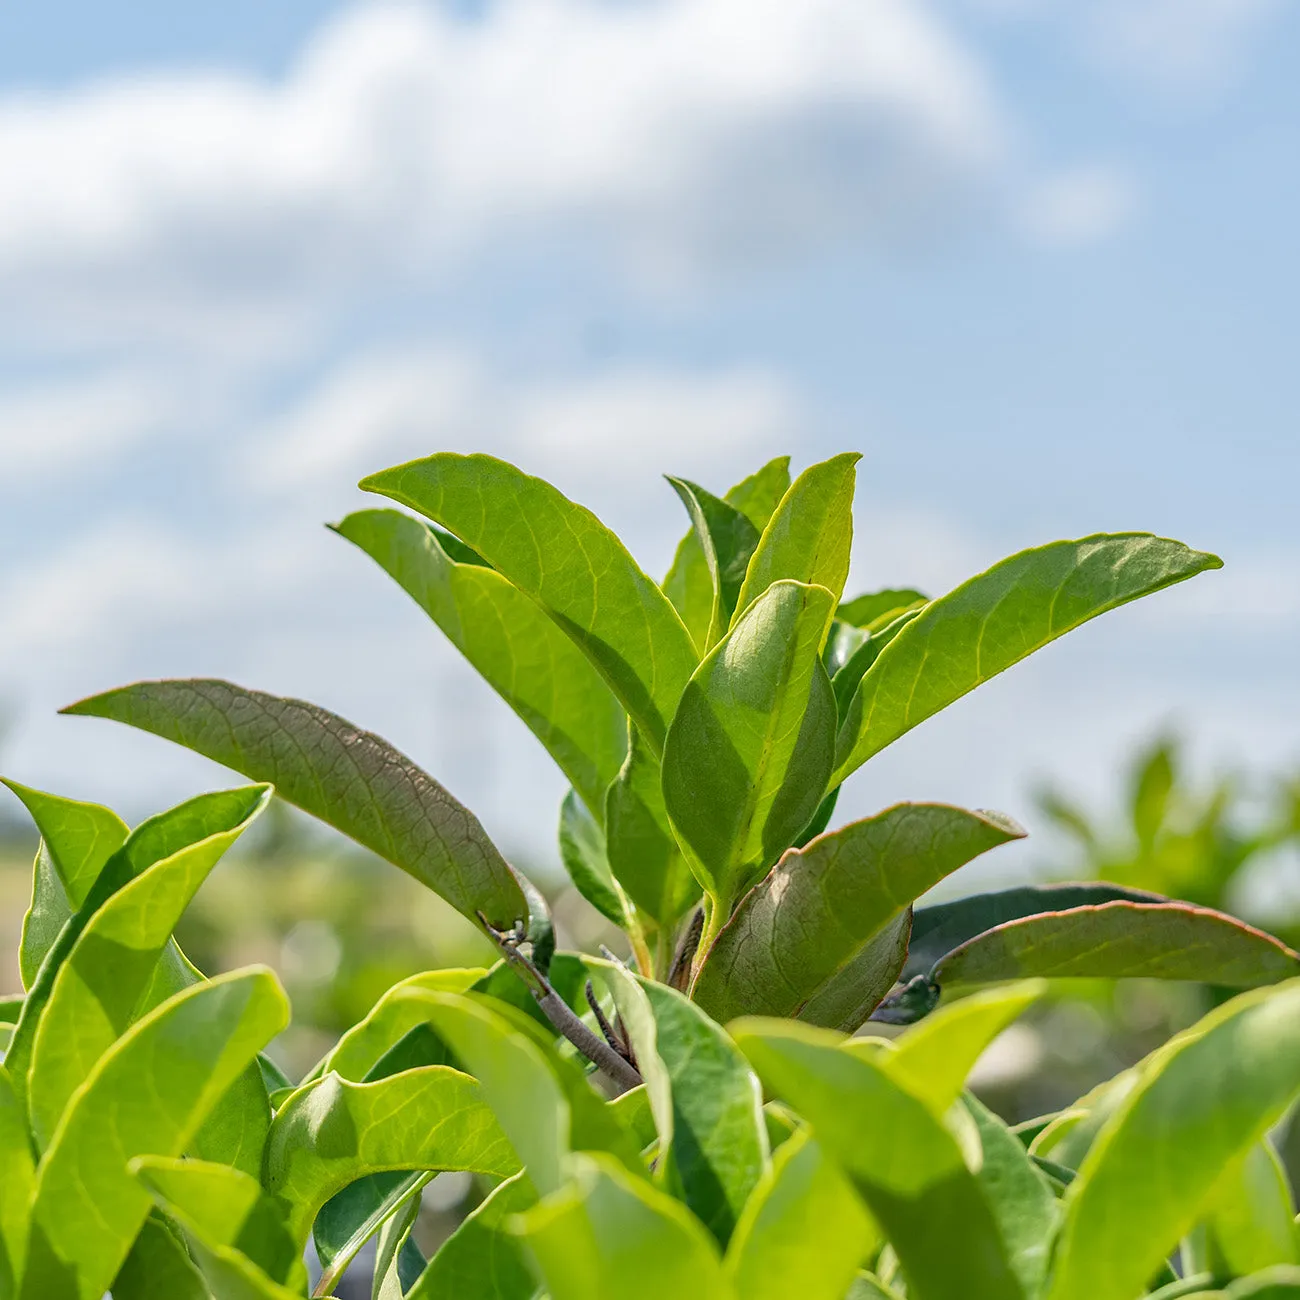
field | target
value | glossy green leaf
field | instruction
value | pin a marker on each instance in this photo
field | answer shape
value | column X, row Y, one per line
column 521, row 652
column 159, row 1265
column 1251, row 1221
column 146, row 1096
column 224, row 1209
column 939, row 929
column 932, row 1059
column 1201, row 1103
column 689, row 584
column 351, row 779
column 77, row 839
column 607, row 1234
column 333, row 1132
column 727, row 539
column 1173, row 941
column 877, row 609
column 810, row 535
column 804, row 1232
column 98, row 988
column 352, row 1216
column 749, row 750
column 582, row 850
column 642, row 851
column 16, row 1159
column 482, row 1259
column 996, row 619
column 570, row 563
column 906, row 1163
column 813, row 939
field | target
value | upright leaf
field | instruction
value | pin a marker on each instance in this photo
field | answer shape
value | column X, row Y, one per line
column 521, row 652
column 1201, row 1103
column 159, row 1265
column 877, row 609
column 803, row 1232
column 585, row 857
column 15, row 1187
column 997, row 618
column 609, row 1234
column 351, row 779
column 749, row 750
column 1251, row 1220
column 77, row 839
column 806, row 941
column 146, row 1096
column 570, row 563
column 97, row 990
column 810, row 535
column 351, row 1217
column 727, row 539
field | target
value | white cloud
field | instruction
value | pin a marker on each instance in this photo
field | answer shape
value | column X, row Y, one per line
column 1079, row 206
column 407, row 137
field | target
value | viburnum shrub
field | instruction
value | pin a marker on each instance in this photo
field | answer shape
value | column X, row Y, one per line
column 629, row 1145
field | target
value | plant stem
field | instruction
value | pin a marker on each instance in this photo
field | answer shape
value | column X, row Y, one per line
column 717, row 912
column 640, row 949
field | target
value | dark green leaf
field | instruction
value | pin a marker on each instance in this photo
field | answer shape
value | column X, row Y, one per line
column 1172, row 941
column 749, row 750
column 996, row 619
column 813, row 939
column 351, row 1217
column 582, row 850
column 159, row 1265
column 519, row 650
column 392, row 1249
column 574, row 567
column 351, row 779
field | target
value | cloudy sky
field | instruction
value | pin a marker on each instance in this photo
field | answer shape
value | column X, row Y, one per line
column 1036, row 259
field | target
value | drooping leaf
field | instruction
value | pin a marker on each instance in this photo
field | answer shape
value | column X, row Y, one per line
column 1251, row 1221
column 607, row 1233
column 482, row 1260
column 943, row 927
column 642, row 851
column 1124, row 940
column 877, row 609
column 998, row 618
column 520, row 651
column 159, row 1265
column 803, row 1232
column 810, row 535
column 97, row 990
column 749, row 750
column 907, row 1165
column 146, row 1096
column 77, row 839
column 1201, row 1103
column 583, row 852
column 16, row 1159
column 570, row 563
column 813, row 939
column 351, row 779
column 333, row 1132
column 727, row 539
column 689, row 585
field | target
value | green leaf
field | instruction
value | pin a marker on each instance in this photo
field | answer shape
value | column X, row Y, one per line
column 159, row 1265
column 1172, row 941
column 1251, row 1220
column 905, row 1163
column 351, row 1217
column 727, row 539
column 848, row 676
column 749, row 750
column 521, row 652
column 938, row 930
column 392, row 1249
column 1201, row 1103
column 719, row 1146
column 1282, row 1282
column 582, row 850
column 823, row 936
column 689, row 585
column 224, row 1209
column 643, row 853
column 351, row 779
column 570, row 563
column 482, row 1260
column 16, row 1159
column 97, row 990
column 877, row 609
column 997, row 618
column 804, row 1232
column 77, row 839
column 1152, row 786
column 810, row 535
column 333, row 1132
column 146, row 1096
column 607, row 1234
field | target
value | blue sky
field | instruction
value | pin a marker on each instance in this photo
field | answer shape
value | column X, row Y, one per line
column 1035, row 259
